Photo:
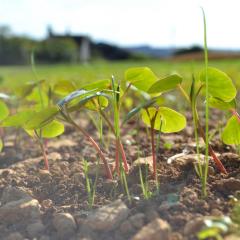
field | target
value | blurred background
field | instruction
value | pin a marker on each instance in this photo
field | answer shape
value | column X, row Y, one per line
column 81, row 31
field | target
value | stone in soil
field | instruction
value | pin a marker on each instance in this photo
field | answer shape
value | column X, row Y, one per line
column 155, row 230
column 193, row 226
column 13, row 194
column 65, row 225
column 15, row 236
column 228, row 185
column 18, row 205
column 35, row 229
column 108, row 217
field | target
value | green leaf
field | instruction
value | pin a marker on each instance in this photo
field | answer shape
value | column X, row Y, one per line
column 192, row 89
column 26, row 89
column 142, row 77
column 36, row 97
column 52, row 129
column 165, row 84
column 99, row 85
column 231, row 133
column 42, row 118
column 169, row 120
column 18, row 119
column 91, row 102
column 218, row 103
column 64, row 87
column 1, row 145
column 137, row 109
column 78, row 94
column 206, row 233
column 3, row 110
column 219, row 84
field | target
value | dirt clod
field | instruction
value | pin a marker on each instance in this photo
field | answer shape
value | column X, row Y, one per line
column 108, row 217
column 65, row 225
column 157, row 229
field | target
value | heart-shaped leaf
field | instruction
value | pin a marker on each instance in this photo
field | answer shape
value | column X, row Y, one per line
column 218, row 103
column 38, row 98
column 165, row 84
column 42, row 118
column 51, row 130
column 142, row 77
column 167, row 120
column 231, row 133
column 26, row 89
column 99, row 85
column 64, row 87
column 18, row 119
column 220, row 84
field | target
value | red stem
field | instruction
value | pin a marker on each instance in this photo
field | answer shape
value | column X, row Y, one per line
column 119, row 150
column 95, row 145
column 119, row 147
column 125, row 163
column 153, row 153
column 216, row 160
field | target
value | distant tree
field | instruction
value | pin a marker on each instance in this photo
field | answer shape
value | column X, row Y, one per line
column 56, row 51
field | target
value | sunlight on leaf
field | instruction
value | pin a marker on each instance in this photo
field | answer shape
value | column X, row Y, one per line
column 220, row 84
column 18, row 119
column 142, row 77
column 172, row 121
column 231, row 133
column 165, row 84
column 42, row 118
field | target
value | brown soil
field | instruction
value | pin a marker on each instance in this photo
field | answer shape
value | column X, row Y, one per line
column 63, row 189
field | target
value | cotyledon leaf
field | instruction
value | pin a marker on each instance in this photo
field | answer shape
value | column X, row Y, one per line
column 231, row 133
column 165, row 84
column 141, row 77
column 42, row 118
column 167, row 119
column 18, row 119
column 220, row 84
column 218, row 103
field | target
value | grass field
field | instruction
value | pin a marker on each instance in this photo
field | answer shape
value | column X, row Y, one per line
column 12, row 76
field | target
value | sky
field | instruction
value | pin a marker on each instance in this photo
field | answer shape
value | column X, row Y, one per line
column 159, row 23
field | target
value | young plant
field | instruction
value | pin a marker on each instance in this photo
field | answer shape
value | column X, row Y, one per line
column 144, row 183
column 77, row 100
column 162, row 119
column 219, row 93
column 90, row 185
column 31, row 122
column 116, row 95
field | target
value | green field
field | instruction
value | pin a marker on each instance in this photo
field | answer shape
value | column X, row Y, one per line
column 12, row 76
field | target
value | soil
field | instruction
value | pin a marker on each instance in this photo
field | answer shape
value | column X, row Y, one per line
column 63, row 190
